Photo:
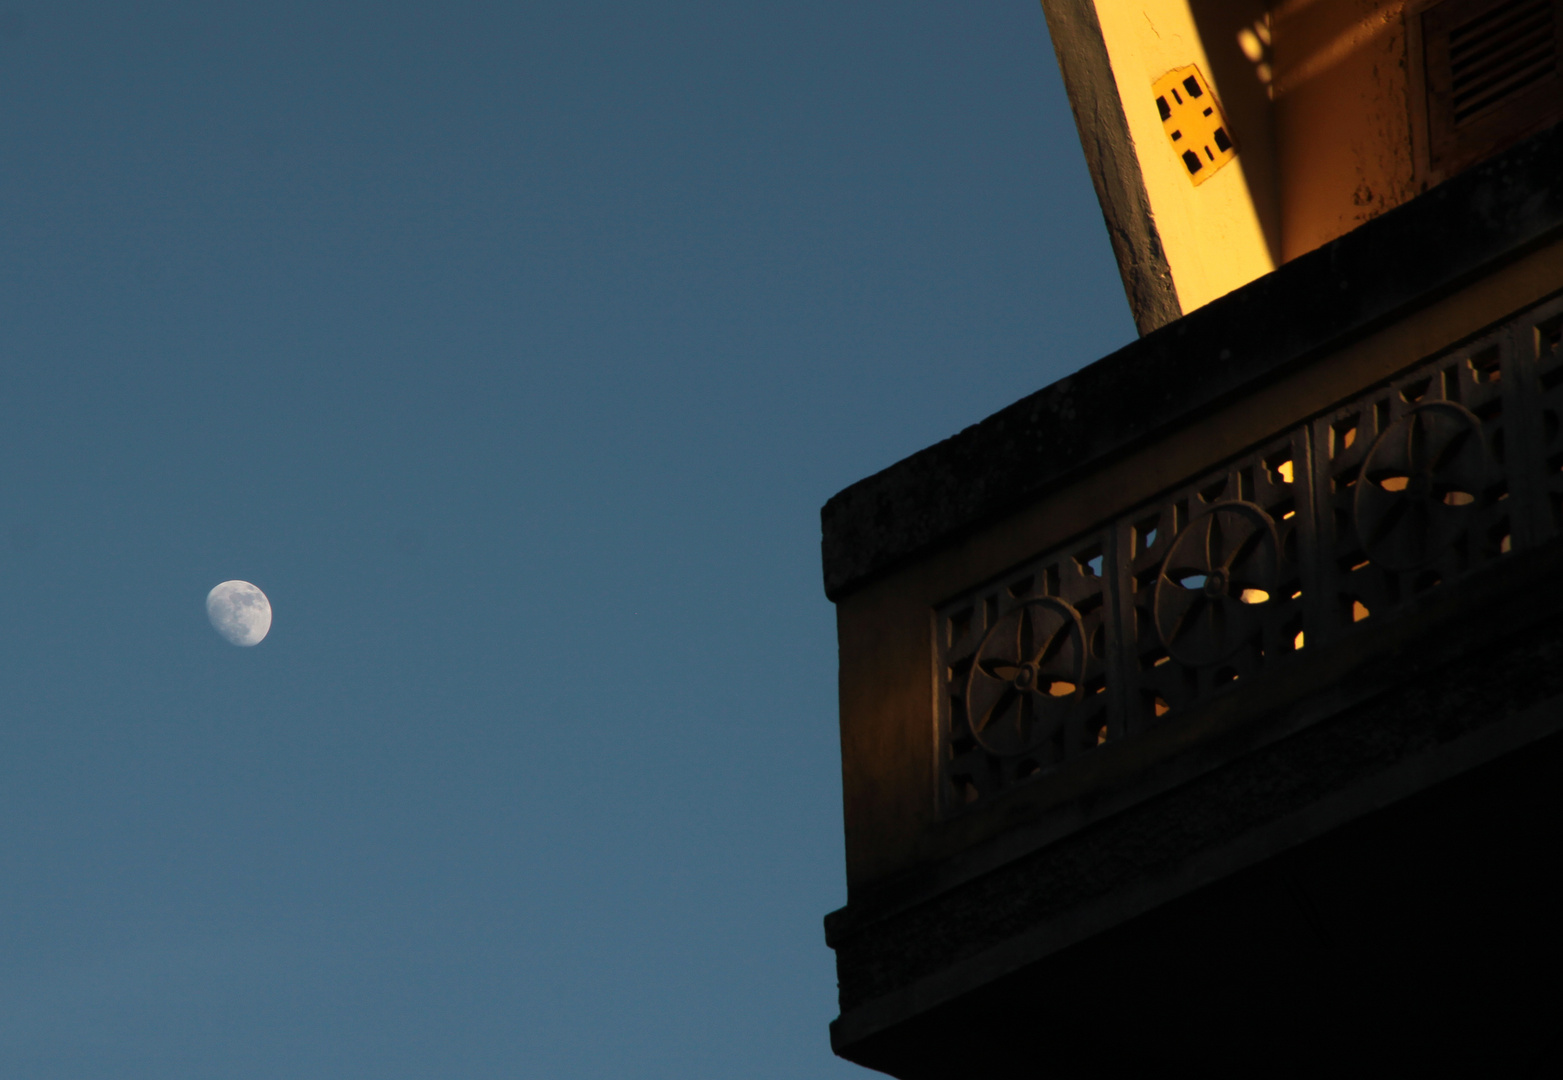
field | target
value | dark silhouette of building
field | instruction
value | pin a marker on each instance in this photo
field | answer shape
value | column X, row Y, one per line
column 1206, row 707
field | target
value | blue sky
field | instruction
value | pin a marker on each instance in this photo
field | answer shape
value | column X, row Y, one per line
column 512, row 349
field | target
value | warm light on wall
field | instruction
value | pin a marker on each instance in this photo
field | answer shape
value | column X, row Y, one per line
column 1210, row 230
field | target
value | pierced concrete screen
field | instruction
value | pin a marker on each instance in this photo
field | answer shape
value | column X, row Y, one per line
column 1346, row 519
column 1494, row 74
column 1194, row 123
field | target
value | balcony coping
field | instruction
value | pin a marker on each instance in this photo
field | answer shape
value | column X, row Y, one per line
column 1397, row 263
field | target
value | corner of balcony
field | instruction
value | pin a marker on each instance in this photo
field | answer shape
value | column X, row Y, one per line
column 1210, row 701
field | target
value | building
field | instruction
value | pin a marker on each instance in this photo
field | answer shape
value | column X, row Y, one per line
column 1207, row 706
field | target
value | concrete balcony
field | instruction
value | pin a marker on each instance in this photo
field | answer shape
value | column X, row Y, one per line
column 1207, row 705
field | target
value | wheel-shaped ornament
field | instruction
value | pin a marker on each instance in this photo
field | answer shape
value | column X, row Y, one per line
column 1026, row 676
column 1217, row 574
column 1420, row 484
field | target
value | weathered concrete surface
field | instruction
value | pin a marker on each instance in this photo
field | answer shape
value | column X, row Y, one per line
column 1115, row 169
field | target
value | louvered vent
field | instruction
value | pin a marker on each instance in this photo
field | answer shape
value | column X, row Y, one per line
column 1494, row 74
column 1499, row 53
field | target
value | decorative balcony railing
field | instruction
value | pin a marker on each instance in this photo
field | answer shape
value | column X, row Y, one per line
column 1338, row 522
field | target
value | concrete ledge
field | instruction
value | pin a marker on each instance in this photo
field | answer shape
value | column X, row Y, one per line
column 1392, row 266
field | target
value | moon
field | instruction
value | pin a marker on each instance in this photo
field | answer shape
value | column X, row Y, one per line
column 239, row 612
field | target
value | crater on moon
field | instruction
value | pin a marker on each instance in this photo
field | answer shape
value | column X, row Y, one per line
column 239, row 612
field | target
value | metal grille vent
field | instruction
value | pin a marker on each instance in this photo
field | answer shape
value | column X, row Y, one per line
column 1499, row 53
column 1494, row 74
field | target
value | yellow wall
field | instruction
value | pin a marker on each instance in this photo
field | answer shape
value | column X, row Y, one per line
column 1212, row 235
column 1318, row 98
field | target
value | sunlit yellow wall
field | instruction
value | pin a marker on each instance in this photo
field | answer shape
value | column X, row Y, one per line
column 1212, row 235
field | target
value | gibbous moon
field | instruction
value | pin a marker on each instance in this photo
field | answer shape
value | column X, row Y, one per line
column 239, row 612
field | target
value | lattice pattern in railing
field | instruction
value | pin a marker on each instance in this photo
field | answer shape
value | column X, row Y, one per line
column 1025, row 657
column 1338, row 521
